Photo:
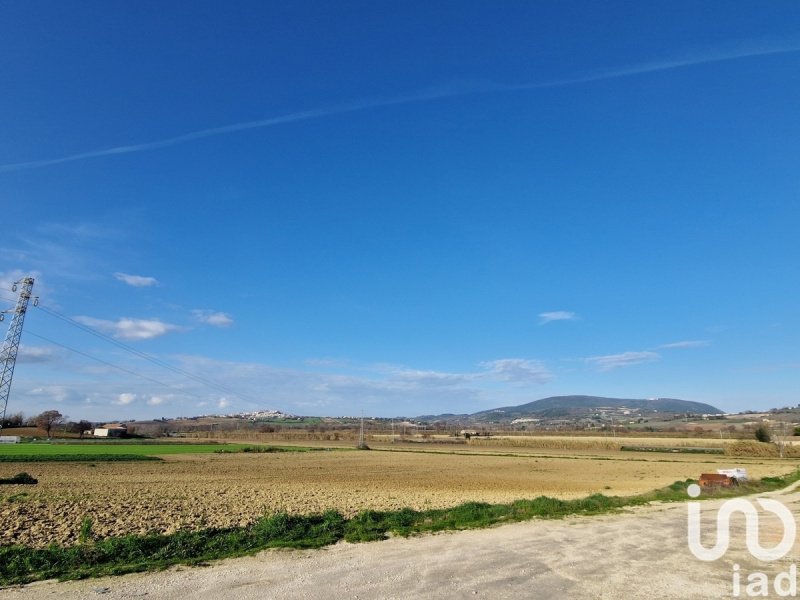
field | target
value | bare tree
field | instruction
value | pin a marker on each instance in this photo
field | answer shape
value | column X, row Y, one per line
column 49, row 419
column 83, row 426
column 15, row 420
column 780, row 435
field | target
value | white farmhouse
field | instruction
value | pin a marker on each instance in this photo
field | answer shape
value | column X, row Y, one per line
column 115, row 430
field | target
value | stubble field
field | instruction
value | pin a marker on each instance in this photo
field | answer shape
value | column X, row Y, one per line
column 191, row 491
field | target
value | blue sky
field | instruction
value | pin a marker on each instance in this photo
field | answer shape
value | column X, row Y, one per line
column 400, row 208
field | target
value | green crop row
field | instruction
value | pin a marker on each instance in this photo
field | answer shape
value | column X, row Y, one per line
column 20, row 452
column 39, row 458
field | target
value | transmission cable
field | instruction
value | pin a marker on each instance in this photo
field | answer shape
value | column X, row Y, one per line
column 143, row 355
column 112, row 365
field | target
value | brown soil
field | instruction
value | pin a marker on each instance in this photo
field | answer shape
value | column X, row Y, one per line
column 221, row 490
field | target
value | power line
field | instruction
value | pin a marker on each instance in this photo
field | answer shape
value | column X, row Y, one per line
column 143, row 355
column 139, row 353
column 112, row 365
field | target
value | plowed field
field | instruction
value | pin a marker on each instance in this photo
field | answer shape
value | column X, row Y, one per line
column 220, row 490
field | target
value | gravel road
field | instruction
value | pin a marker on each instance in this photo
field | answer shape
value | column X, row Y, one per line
column 641, row 554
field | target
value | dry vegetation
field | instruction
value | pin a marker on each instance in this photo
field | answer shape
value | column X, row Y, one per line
column 218, row 490
column 566, row 442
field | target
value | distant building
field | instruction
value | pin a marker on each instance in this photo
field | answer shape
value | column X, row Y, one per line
column 115, row 430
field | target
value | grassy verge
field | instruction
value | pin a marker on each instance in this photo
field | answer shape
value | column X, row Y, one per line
column 118, row 555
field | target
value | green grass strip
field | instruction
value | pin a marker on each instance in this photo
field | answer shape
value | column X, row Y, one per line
column 118, row 555
column 64, row 451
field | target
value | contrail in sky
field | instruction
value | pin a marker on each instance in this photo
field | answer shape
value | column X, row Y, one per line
column 448, row 91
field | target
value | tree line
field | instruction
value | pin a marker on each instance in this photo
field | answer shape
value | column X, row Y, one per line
column 48, row 420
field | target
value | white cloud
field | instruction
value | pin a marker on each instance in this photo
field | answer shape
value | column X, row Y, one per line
column 36, row 354
column 130, row 329
column 136, row 280
column 327, row 362
column 513, row 370
column 126, row 398
column 518, row 370
column 7, row 281
column 686, row 344
column 431, row 378
column 210, row 317
column 9, row 298
column 393, row 389
column 58, row 393
column 373, row 388
column 558, row 315
column 626, row 359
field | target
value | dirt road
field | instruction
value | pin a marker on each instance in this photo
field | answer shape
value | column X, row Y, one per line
column 642, row 554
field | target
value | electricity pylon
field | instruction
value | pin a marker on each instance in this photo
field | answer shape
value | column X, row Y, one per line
column 8, row 356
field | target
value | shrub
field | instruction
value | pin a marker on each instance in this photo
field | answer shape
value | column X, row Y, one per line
column 762, row 433
column 366, row 526
column 85, row 533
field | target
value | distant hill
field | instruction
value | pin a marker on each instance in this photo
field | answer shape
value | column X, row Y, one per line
column 565, row 407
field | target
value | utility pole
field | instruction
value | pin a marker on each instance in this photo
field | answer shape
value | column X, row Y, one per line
column 782, row 439
column 8, row 356
column 362, row 445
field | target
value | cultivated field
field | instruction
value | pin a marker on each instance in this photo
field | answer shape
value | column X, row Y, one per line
column 194, row 490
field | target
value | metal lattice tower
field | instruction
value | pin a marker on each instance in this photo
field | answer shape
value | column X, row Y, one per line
column 8, row 356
